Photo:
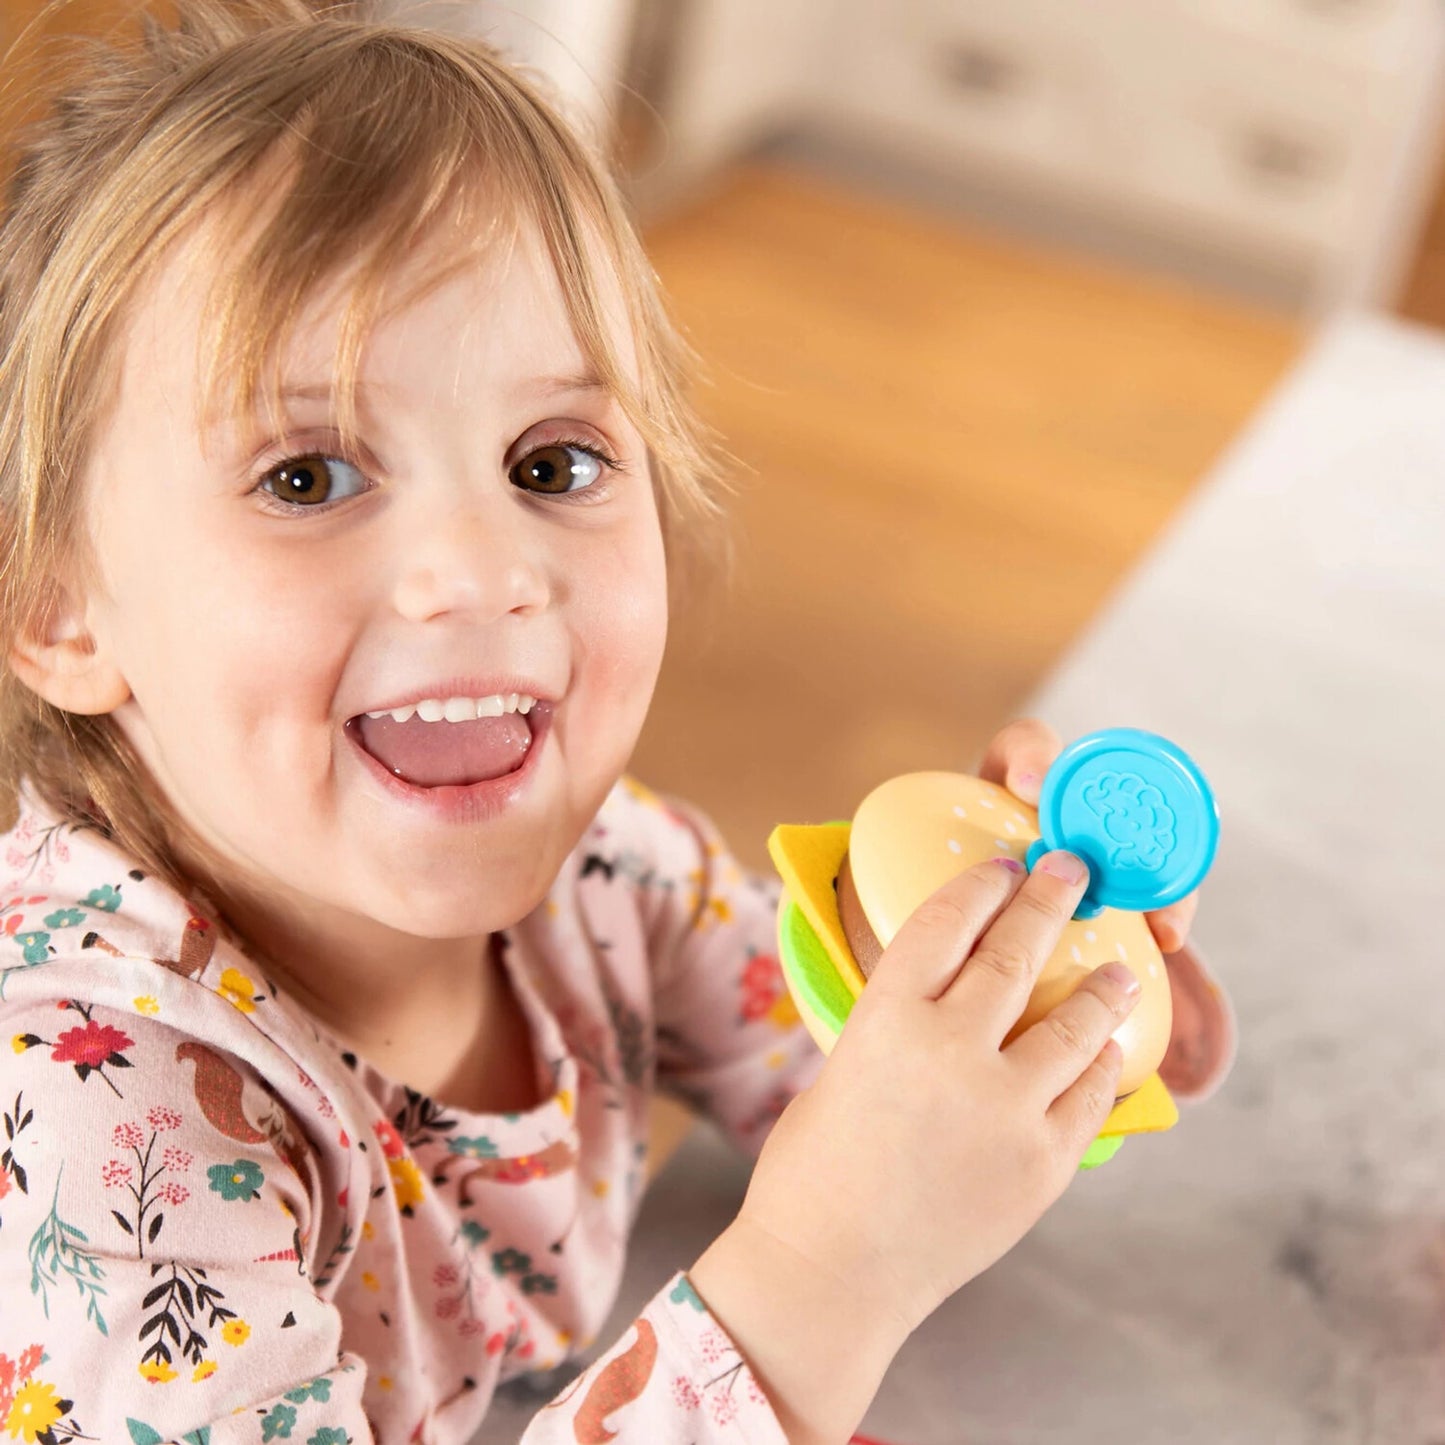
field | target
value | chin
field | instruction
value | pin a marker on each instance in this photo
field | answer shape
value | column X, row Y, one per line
column 462, row 903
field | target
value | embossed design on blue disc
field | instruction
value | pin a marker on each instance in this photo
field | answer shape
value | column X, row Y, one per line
column 1137, row 820
column 1136, row 808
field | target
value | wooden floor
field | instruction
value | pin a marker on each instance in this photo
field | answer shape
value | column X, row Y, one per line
column 956, row 445
column 1423, row 296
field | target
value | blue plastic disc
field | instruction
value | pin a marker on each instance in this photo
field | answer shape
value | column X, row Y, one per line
column 1138, row 811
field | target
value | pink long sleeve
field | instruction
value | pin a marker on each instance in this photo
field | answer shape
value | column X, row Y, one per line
column 216, row 1224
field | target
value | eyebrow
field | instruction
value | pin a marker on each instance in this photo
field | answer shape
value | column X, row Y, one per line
column 548, row 386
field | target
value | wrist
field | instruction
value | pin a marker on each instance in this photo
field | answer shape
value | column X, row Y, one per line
column 818, row 1346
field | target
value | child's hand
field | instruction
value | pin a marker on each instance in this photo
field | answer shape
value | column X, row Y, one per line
column 1018, row 758
column 925, row 1150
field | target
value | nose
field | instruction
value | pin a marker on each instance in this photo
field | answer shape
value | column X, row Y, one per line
column 481, row 558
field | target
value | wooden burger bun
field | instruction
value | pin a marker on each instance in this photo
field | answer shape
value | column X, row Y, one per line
column 915, row 832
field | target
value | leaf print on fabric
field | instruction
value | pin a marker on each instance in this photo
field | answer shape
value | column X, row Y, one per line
column 634, row 1052
column 183, row 1302
column 463, row 1285
column 50, row 847
column 422, row 1121
column 143, row 1434
column 16, row 1120
column 345, row 1243
column 56, row 1249
column 241, row 1180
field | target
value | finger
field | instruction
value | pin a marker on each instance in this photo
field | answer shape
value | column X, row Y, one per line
column 1171, row 925
column 928, row 951
column 1202, row 1042
column 1019, row 756
column 995, row 984
column 1057, row 1049
column 1080, row 1111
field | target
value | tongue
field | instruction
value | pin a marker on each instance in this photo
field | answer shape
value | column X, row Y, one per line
column 447, row 754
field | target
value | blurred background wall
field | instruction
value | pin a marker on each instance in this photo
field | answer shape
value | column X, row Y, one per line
column 982, row 288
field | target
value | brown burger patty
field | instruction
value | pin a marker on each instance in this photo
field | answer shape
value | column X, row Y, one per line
column 856, row 928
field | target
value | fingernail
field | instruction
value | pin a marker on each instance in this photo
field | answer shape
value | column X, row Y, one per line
column 1064, row 866
column 1123, row 975
column 1012, row 864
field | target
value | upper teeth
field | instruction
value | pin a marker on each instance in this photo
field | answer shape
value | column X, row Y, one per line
column 461, row 709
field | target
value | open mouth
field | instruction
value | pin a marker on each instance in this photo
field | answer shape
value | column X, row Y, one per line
column 453, row 742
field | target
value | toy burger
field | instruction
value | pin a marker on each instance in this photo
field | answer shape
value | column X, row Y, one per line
column 1132, row 805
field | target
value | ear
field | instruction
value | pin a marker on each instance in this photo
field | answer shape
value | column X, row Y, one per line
column 57, row 657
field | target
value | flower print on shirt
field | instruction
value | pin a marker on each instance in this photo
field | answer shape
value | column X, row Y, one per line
column 31, row 1409
column 182, row 1305
column 491, row 1265
column 144, row 1180
column 90, row 1047
column 765, row 995
column 241, row 1180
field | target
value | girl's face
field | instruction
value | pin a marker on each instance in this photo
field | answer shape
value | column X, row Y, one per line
column 259, row 611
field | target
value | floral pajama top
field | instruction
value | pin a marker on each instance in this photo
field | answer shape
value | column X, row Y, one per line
column 216, row 1225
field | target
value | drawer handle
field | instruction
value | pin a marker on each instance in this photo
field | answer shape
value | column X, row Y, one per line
column 1275, row 156
column 1343, row 9
column 979, row 70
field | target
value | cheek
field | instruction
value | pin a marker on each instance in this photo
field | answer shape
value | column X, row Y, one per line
column 215, row 638
column 623, row 615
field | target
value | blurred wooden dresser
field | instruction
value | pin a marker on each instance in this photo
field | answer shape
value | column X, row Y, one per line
column 1296, row 137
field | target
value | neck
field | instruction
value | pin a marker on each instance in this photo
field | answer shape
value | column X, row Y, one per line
column 371, row 986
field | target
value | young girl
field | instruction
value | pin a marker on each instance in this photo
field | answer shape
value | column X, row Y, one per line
column 343, row 457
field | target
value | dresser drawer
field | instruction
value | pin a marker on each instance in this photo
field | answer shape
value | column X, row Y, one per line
column 1243, row 136
column 1368, row 33
column 1011, row 82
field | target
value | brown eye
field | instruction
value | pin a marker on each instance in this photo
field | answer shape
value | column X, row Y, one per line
column 311, row 481
column 556, row 469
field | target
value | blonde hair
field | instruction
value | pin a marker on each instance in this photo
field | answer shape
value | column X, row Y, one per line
column 381, row 130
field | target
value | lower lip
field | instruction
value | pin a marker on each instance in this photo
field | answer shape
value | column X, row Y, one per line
column 469, row 803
